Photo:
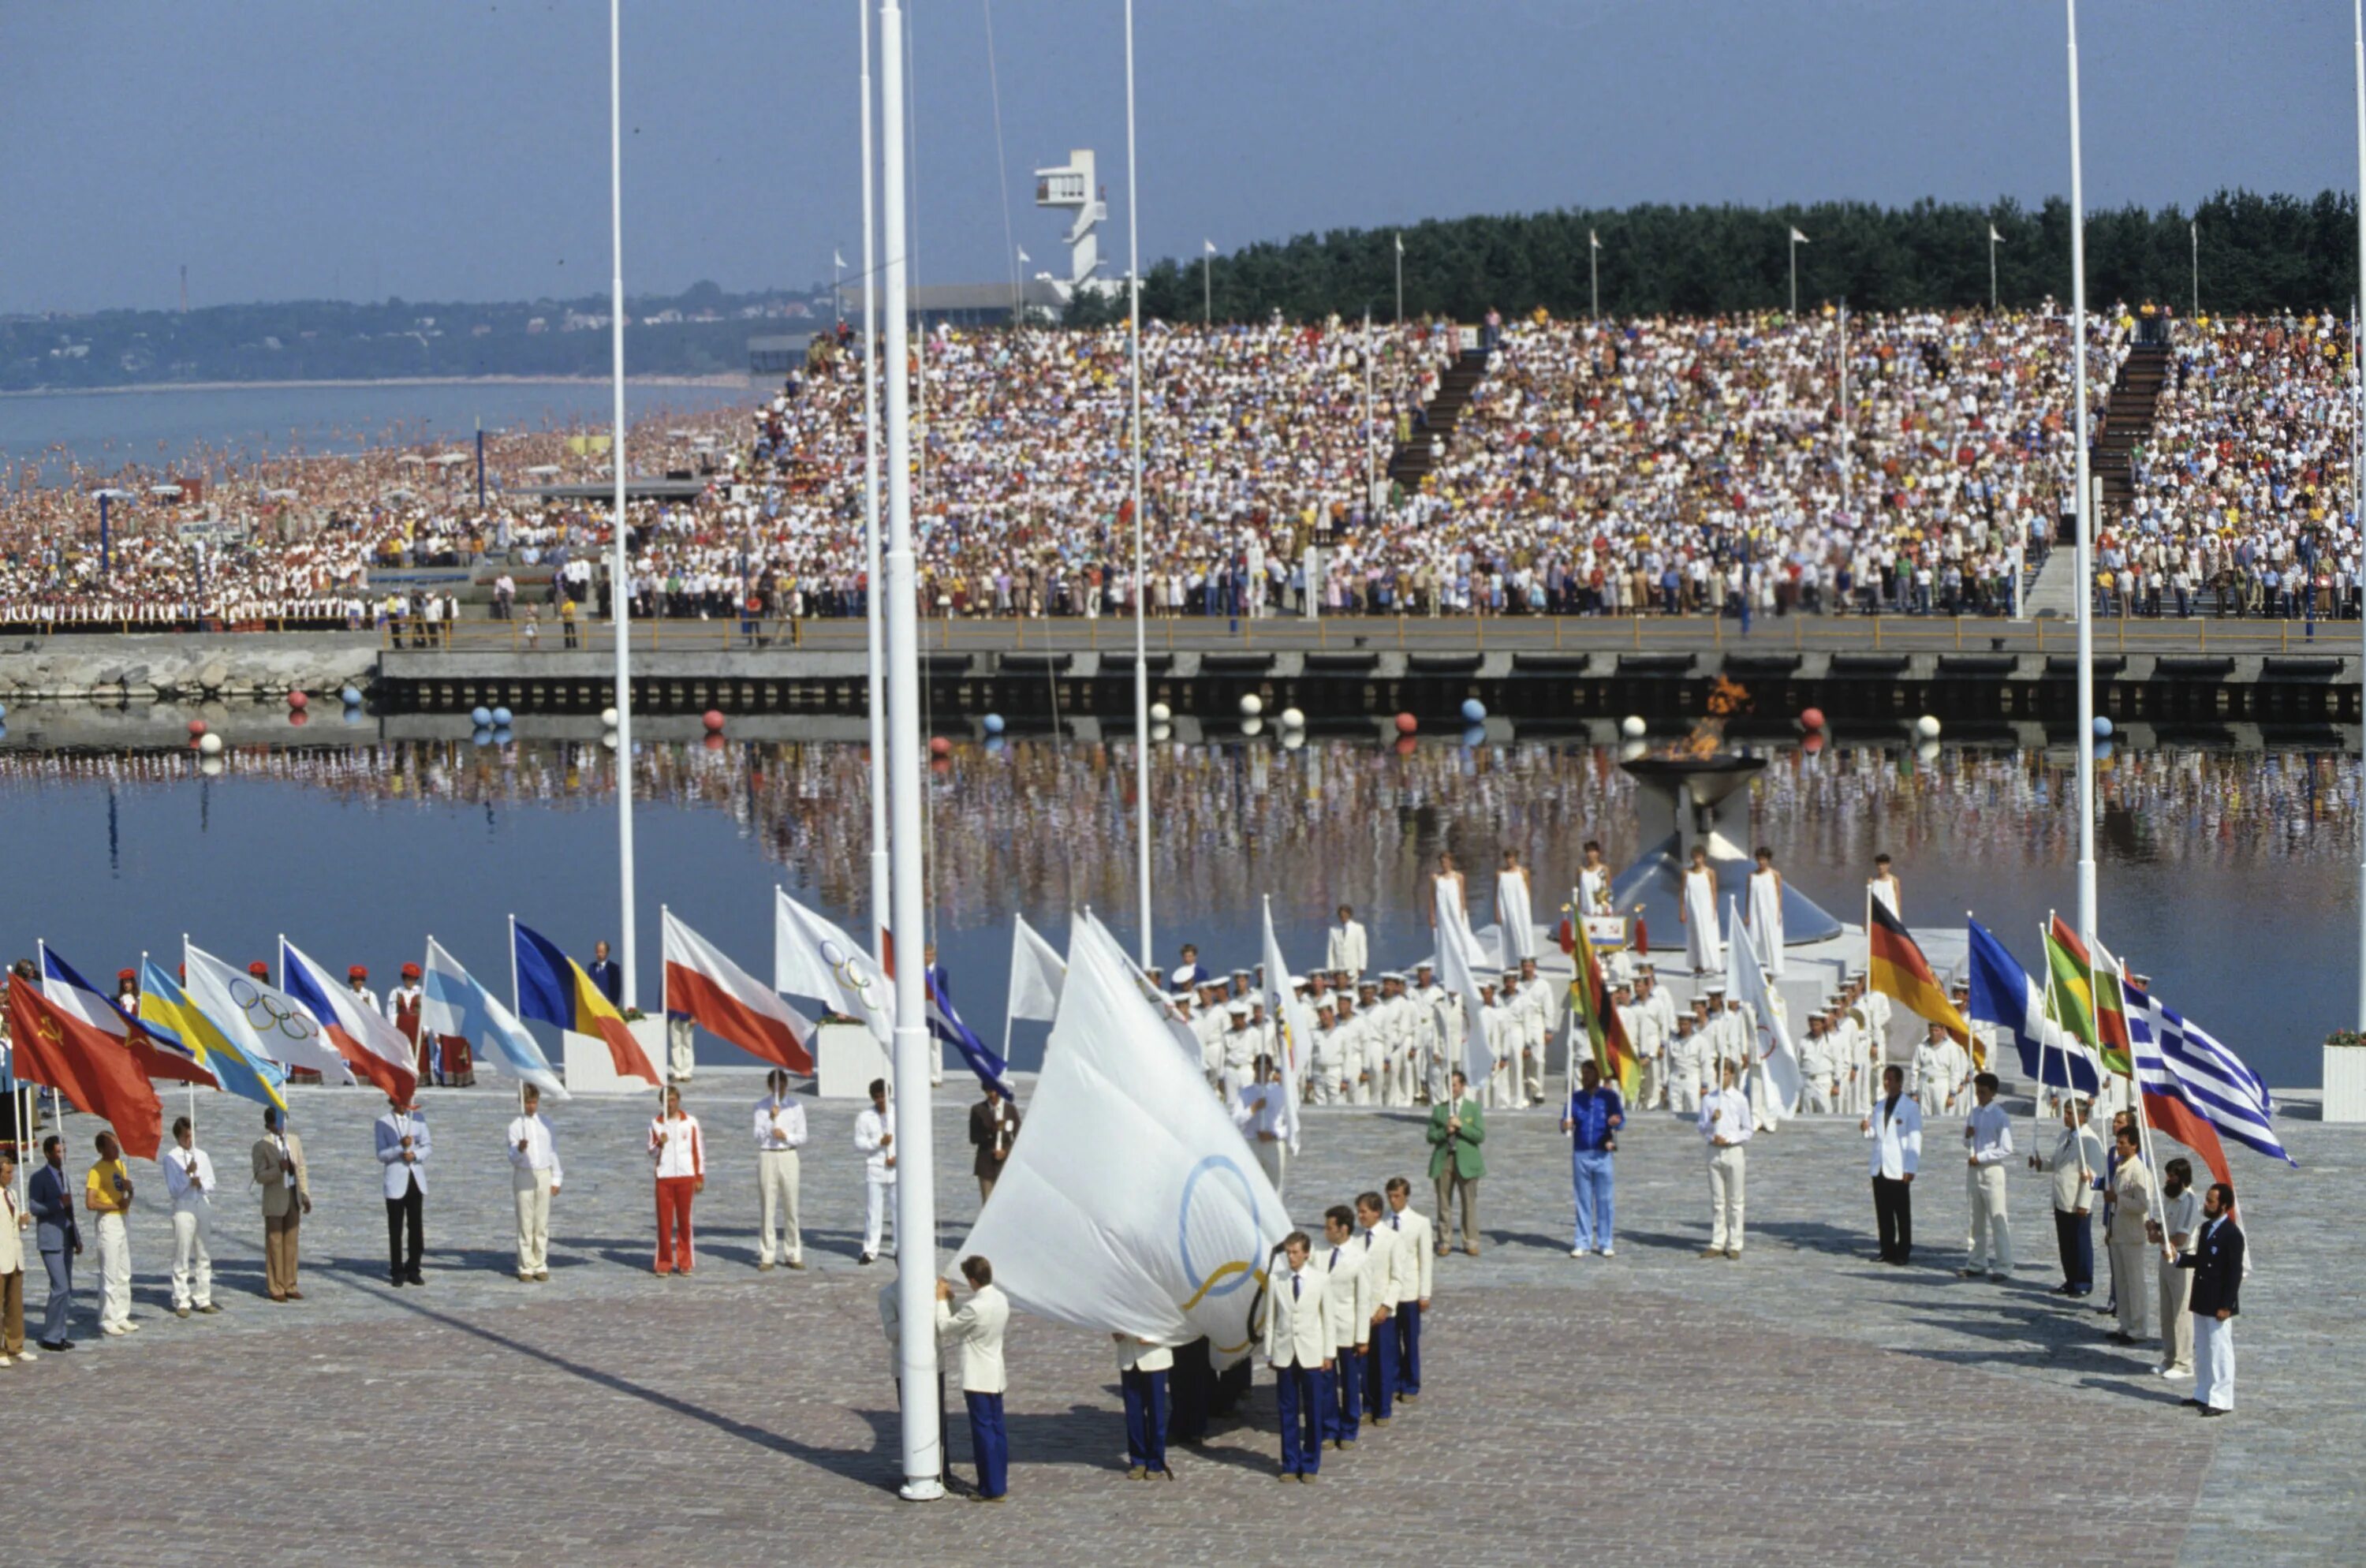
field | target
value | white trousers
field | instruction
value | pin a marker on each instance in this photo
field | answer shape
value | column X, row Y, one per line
column 1684, row 1089
column 1816, row 1096
column 776, row 1188
column 1990, row 1246
column 532, row 1189
column 2213, row 1361
column 1726, row 1170
column 878, row 1213
column 113, row 1273
column 193, row 1261
column 1534, row 1062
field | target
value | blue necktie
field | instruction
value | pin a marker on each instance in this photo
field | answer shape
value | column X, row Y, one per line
column 1293, row 1287
column 1335, row 1257
column 1396, row 1222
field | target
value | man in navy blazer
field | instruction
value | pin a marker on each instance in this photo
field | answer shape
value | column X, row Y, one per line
column 605, row 975
column 403, row 1149
column 2216, row 1259
column 51, row 1197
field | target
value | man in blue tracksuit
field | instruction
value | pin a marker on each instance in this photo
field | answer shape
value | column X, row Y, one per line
column 1594, row 1115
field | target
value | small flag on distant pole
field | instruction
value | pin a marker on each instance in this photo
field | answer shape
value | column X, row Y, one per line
column 1593, row 240
column 837, row 259
column 1208, row 245
column 1995, row 238
column 1797, row 238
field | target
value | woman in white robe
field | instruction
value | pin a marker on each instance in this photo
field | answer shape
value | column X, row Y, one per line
column 1514, row 913
column 1703, row 951
column 1765, row 916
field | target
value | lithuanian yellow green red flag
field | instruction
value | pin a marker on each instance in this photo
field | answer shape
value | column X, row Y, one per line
column 1589, row 998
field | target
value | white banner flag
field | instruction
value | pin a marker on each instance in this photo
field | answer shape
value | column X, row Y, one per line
column 1747, row 982
column 813, row 958
column 263, row 1020
column 1037, row 972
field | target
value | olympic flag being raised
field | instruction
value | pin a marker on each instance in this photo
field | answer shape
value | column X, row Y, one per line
column 813, row 958
column 1131, row 1203
column 262, row 1019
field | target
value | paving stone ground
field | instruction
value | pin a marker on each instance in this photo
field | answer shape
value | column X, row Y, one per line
column 1804, row 1404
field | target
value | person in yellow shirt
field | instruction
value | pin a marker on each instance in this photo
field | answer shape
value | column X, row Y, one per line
column 107, row 1193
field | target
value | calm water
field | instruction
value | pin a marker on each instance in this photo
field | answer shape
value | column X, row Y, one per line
column 2229, row 877
column 105, row 430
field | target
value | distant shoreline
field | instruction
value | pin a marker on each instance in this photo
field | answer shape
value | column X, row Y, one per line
column 143, row 388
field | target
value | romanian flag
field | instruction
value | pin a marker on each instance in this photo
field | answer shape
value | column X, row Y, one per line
column 174, row 1021
column 553, row 988
column 1899, row 971
column 1613, row 1052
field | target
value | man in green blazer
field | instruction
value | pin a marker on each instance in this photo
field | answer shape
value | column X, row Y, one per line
column 1457, row 1128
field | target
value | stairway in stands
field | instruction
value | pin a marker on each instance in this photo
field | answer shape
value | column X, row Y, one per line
column 2127, row 421
column 1418, row 454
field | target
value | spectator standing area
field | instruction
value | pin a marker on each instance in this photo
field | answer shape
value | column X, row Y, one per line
column 1804, row 1404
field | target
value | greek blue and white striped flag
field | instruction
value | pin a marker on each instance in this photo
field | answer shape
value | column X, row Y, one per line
column 2176, row 1057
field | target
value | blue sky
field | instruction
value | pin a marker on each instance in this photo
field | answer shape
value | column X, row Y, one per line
column 456, row 148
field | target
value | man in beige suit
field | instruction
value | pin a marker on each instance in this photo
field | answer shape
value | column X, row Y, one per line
column 286, row 1187
column 976, row 1332
column 2131, row 1213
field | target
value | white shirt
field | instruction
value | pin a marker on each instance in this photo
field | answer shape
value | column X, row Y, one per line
column 541, row 1151
column 1989, row 1131
column 682, row 1153
column 1735, row 1125
column 780, row 1123
column 872, row 1128
column 179, row 1165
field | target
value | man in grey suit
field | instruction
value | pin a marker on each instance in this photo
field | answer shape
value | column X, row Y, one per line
column 51, row 1197
column 403, row 1149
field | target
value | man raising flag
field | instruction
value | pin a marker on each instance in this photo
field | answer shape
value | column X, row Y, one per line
column 1589, row 999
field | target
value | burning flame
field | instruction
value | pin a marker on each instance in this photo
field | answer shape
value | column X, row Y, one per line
column 1725, row 699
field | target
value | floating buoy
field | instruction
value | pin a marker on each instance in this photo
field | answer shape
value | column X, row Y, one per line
column 481, row 716
column 994, row 724
column 713, row 720
column 1160, row 713
column 608, row 718
column 1811, row 718
column 296, row 700
column 502, row 717
column 1926, row 727
column 196, row 728
column 351, row 696
column 1632, row 726
column 2103, row 728
column 939, row 747
column 1407, row 724
column 1252, row 706
column 1292, row 719
column 209, row 745
column 1473, row 711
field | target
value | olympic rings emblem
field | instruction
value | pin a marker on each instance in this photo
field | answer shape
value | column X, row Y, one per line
column 264, row 1014
column 854, row 978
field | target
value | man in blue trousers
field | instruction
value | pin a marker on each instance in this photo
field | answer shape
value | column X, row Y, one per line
column 1594, row 1115
column 1413, row 1279
column 978, row 1330
column 50, row 1198
column 1299, row 1335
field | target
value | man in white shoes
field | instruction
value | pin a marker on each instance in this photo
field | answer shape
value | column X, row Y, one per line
column 189, row 1182
column 107, row 1193
column 2173, row 1226
column 15, row 1221
column 779, row 1134
column 535, row 1177
column 874, row 1139
column 1987, row 1149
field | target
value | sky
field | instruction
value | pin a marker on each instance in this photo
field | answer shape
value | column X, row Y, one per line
column 445, row 150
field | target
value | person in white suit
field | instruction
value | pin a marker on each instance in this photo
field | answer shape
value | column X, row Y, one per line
column 403, row 1149
column 1376, row 1330
column 1347, row 1277
column 189, row 1182
column 1895, row 1127
column 977, row 1331
column 1411, row 1262
column 1298, row 1336
column 1348, row 949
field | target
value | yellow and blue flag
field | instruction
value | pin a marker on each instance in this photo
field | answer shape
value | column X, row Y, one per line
column 166, row 1013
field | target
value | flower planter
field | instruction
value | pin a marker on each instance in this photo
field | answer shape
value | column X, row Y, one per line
column 2345, row 1083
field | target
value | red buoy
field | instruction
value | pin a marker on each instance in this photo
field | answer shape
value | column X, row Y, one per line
column 714, row 722
column 1407, row 724
column 939, row 747
column 196, row 728
column 296, row 700
column 1811, row 718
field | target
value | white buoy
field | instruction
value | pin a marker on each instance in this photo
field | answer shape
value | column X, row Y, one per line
column 1926, row 727
column 209, row 744
column 1632, row 726
column 1252, row 706
column 1292, row 719
column 1160, row 713
column 607, row 719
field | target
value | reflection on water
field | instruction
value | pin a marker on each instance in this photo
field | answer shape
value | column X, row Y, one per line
column 2227, row 875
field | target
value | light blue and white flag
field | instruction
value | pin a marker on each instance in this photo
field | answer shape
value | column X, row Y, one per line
column 452, row 1005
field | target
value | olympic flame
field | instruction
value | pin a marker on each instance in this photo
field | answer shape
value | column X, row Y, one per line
column 1726, row 699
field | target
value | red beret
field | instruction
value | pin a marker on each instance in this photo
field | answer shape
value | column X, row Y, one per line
column 411, row 970
column 358, row 972
column 126, row 974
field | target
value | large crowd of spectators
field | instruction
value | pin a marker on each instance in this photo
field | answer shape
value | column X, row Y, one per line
column 1832, row 463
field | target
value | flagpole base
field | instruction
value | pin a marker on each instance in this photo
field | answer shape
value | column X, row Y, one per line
column 921, row 1489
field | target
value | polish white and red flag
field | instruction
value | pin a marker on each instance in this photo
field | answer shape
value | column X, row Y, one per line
column 370, row 1045
column 707, row 988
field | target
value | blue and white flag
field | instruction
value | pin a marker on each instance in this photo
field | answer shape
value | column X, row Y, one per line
column 2004, row 994
column 453, row 1004
column 946, row 1026
column 2175, row 1057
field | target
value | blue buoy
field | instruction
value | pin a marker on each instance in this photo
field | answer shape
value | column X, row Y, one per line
column 1475, row 736
column 2103, row 728
column 1473, row 711
column 501, row 718
column 994, row 724
column 483, row 718
column 351, row 696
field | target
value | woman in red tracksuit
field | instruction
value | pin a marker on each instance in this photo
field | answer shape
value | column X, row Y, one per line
column 678, row 1153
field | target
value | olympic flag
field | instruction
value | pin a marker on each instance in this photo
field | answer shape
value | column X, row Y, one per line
column 1131, row 1204
column 813, row 958
column 261, row 1018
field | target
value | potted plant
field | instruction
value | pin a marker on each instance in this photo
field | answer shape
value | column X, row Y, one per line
column 2345, row 1076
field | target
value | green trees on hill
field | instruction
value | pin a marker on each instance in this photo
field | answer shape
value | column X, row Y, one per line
column 2257, row 252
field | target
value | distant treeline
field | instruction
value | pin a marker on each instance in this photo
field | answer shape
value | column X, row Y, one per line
column 2257, row 252
column 701, row 331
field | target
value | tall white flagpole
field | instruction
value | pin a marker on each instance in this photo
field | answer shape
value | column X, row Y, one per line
column 2358, row 446
column 2084, row 574
column 916, row 1189
column 1992, row 281
column 1842, row 318
column 620, row 572
column 1371, row 459
column 1594, row 274
column 1141, row 646
column 1795, row 269
column 874, row 597
column 2193, row 235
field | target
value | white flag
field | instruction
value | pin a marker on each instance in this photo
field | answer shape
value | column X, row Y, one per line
column 260, row 1018
column 1746, row 982
column 1797, row 238
column 1023, row 256
column 1594, row 239
column 1459, row 960
column 813, row 958
column 1400, row 244
column 452, row 1003
column 1209, row 246
column 837, row 259
column 1294, row 1022
column 1037, row 972
column 1995, row 238
column 1133, row 1206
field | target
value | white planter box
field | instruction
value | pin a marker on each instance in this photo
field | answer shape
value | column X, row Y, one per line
column 846, row 1058
column 2345, row 1083
column 589, row 1069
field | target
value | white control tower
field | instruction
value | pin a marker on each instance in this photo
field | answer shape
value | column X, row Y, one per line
column 1071, row 186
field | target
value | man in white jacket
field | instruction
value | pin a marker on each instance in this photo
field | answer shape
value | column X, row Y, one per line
column 874, row 1139
column 1298, row 1335
column 1895, row 1126
column 1348, row 948
column 977, row 1331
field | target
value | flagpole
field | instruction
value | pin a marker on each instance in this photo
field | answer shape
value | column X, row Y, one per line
column 620, row 572
column 1992, row 275
column 916, row 1219
column 1795, row 270
column 1371, row 474
column 874, row 598
column 1594, row 274
column 1015, row 917
column 1399, row 238
column 1841, row 319
column 1141, row 654
column 2084, row 568
column 1206, row 288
